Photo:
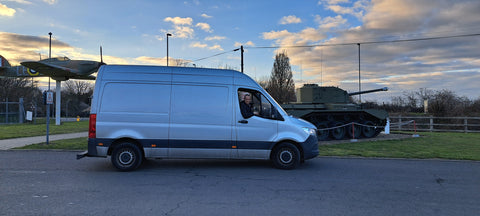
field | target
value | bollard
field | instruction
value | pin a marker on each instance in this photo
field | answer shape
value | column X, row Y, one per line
column 353, row 133
column 415, row 129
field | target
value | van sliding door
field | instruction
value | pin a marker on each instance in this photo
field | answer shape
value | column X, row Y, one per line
column 201, row 121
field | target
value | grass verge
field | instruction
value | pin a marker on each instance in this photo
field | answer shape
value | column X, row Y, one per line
column 457, row 146
column 67, row 144
column 29, row 130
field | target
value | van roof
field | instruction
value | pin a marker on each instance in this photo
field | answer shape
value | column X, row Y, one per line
column 132, row 72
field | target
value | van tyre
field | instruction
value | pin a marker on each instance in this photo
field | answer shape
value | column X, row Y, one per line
column 286, row 156
column 126, row 156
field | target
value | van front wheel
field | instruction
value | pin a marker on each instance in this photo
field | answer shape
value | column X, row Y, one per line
column 286, row 156
column 126, row 156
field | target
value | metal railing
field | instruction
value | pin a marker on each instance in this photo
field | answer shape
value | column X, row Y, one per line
column 12, row 112
column 435, row 124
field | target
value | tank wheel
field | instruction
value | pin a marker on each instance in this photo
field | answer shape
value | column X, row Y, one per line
column 338, row 133
column 369, row 132
column 126, row 156
column 322, row 134
column 356, row 132
column 286, row 156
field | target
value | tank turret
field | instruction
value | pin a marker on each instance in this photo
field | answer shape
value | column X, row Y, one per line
column 330, row 109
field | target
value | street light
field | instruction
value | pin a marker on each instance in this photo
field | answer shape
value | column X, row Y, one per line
column 359, row 80
column 168, row 34
column 49, row 56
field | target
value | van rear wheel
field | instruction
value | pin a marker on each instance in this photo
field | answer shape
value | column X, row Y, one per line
column 286, row 156
column 126, row 156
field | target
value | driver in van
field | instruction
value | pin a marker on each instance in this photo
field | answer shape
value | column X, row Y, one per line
column 246, row 106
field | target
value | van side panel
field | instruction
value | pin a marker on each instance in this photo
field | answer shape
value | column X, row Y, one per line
column 134, row 110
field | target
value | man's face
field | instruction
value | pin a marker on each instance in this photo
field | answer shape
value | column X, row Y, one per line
column 248, row 99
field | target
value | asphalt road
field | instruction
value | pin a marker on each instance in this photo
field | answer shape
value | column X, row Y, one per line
column 54, row 183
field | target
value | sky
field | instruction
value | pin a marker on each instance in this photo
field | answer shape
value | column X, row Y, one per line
column 319, row 36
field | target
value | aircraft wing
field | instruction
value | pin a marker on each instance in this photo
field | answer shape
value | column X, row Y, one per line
column 51, row 70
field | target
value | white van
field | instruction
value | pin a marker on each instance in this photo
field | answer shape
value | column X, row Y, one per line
column 143, row 112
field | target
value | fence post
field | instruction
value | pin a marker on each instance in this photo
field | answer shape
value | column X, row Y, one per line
column 400, row 122
column 431, row 123
column 21, row 111
column 465, row 123
column 6, row 111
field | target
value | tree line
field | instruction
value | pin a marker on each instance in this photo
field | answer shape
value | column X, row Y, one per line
column 76, row 96
column 441, row 103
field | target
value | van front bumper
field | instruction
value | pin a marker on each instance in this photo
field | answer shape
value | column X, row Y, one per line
column 310, row 147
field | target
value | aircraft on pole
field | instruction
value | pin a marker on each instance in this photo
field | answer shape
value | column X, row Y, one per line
column 60, row 68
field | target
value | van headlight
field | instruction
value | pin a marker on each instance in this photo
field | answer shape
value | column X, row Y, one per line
column 309, row 131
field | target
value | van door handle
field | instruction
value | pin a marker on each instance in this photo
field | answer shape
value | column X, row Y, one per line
column 243, row 121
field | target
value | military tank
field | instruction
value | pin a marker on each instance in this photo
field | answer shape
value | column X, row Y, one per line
column 336, row 117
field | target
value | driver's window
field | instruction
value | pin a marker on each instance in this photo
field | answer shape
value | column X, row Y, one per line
column 258, row 104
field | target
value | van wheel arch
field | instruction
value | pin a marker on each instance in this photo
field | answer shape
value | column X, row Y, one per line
column 274, row 155
column 126, row 154
column 294, row 143
column 123, row 140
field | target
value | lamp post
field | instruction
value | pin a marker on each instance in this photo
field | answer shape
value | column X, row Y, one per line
column 168, row 34
column 49, row 55
column 359, row 81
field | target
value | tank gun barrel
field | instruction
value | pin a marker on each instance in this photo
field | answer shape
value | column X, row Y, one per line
column 368, row 91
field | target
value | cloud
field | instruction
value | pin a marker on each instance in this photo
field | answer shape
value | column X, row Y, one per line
column 20, row 48
column 338, row 6
column 215, row 38
column 198, row 45
column 183, row 32
column 248, row 43
column 6, row 11
column 50, row 2
column 203, row 46
column 151, row 60
column 206, row 16
column 21, row 2
column 286, row 38
column 181, row 27
column 331, row 22
column 275, row 34
column 290, row 20
column 179, row 20
column 216, row 47
column 204, row 26
column 333, row 1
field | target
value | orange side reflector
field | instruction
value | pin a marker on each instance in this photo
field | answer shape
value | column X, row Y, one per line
column 100, row 144
column 234, row 146
column 154, row 145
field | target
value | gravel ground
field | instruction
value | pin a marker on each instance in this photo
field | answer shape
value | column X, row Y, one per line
column 380, row 137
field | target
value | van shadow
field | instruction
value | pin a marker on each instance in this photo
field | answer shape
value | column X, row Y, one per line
column 152, row 164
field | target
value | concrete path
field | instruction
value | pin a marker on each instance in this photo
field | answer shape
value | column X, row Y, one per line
column 19, row 142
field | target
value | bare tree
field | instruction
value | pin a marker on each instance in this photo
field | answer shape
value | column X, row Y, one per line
column 181, row 62
column 76, row 97
column 281, row 85
column 263, row 81
column 78, row 87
